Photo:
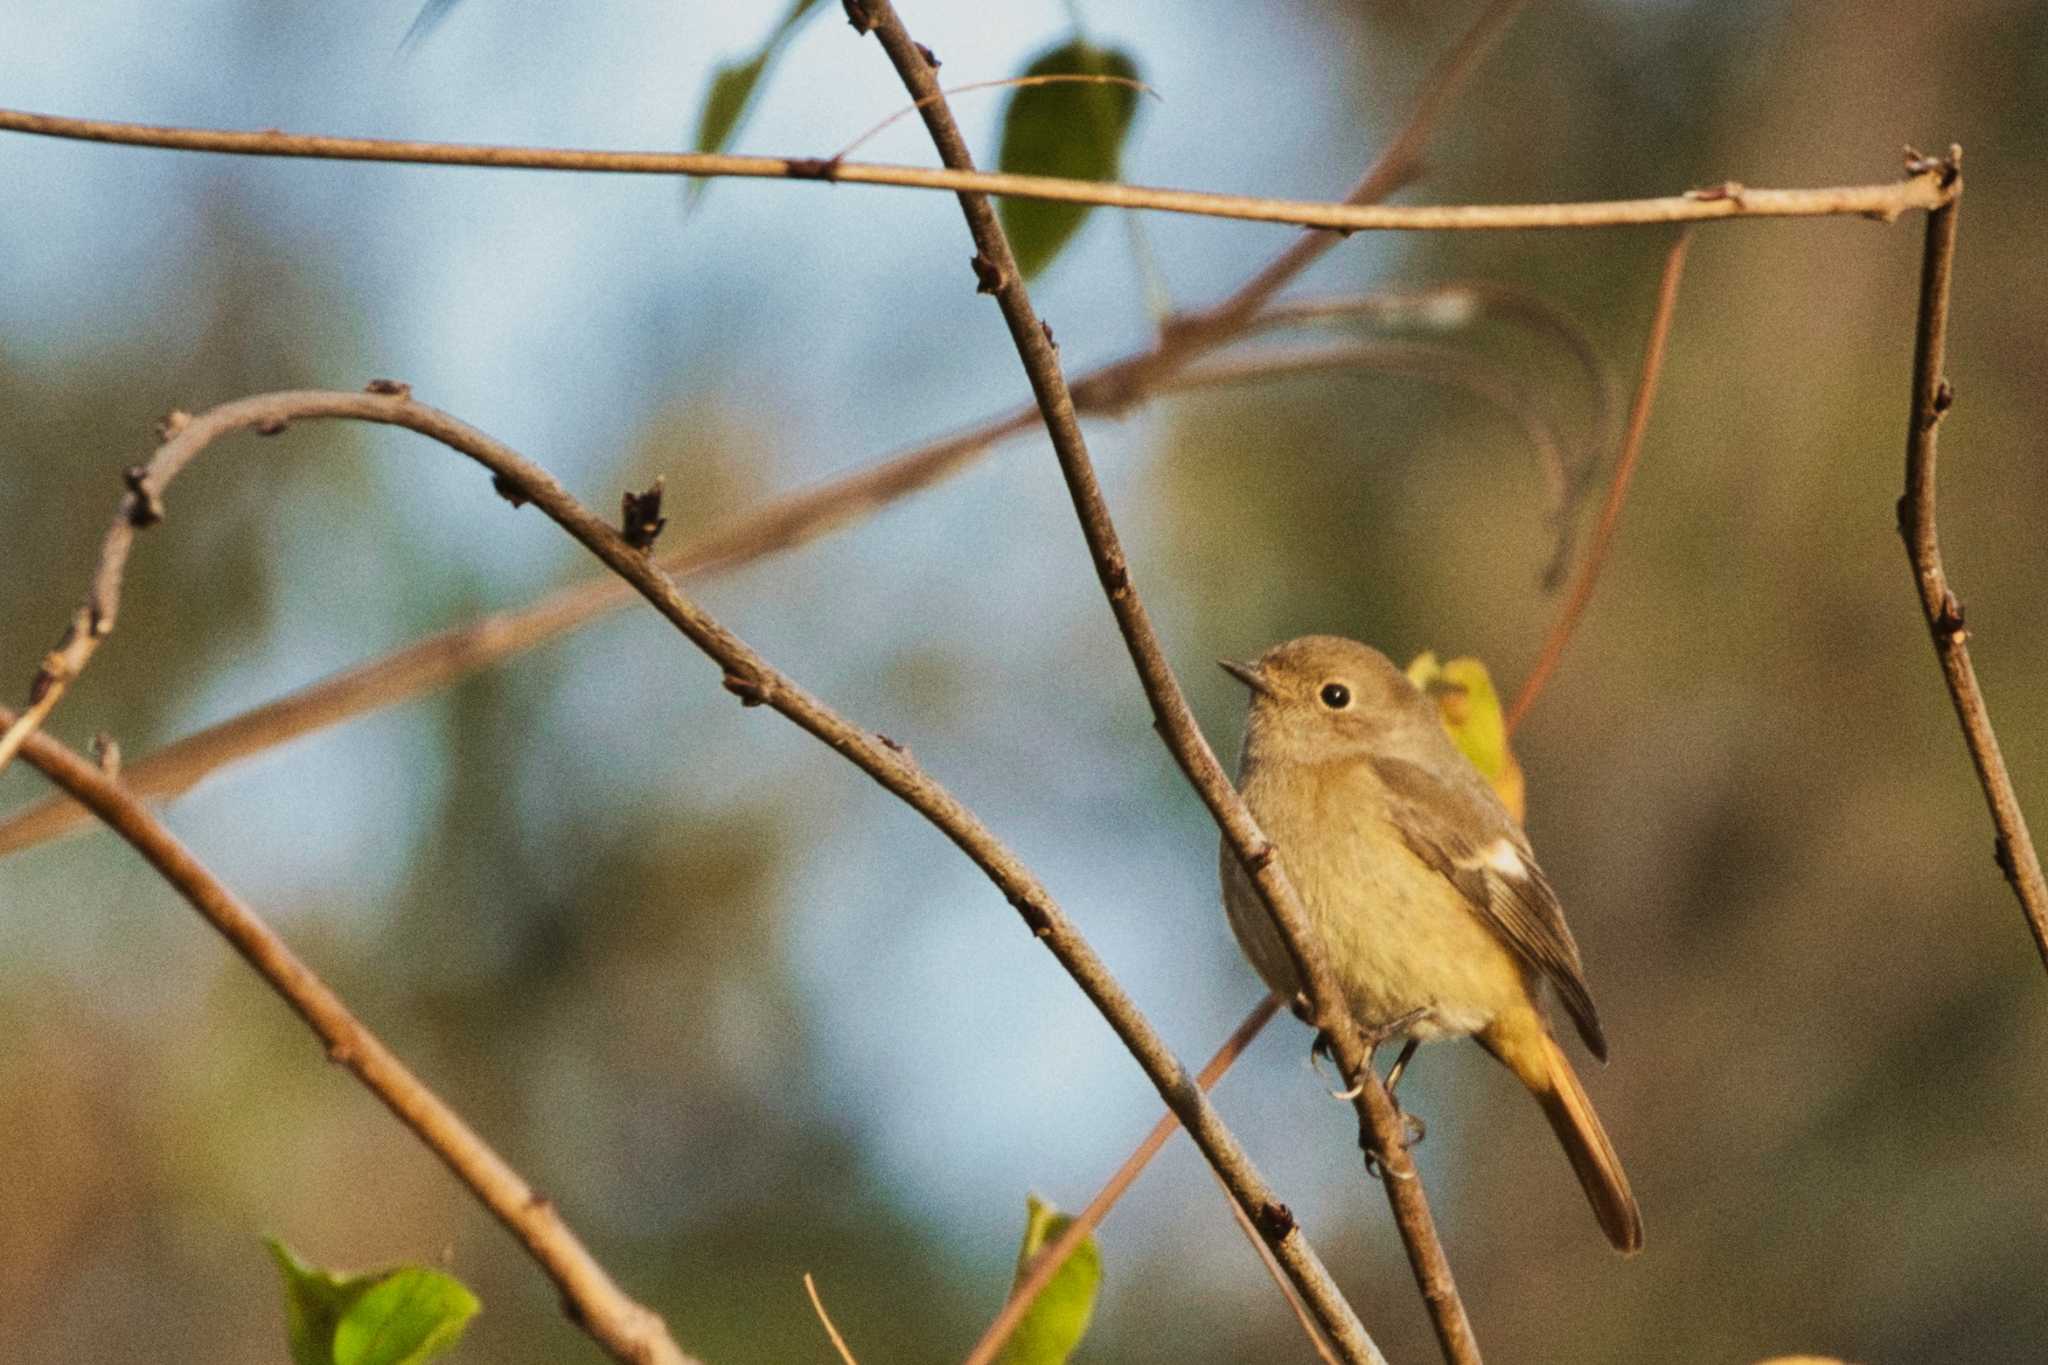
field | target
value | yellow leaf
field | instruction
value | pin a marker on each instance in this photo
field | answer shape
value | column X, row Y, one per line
column 1470, row 707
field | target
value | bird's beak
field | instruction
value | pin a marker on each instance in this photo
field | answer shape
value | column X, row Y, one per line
column 1248, row 674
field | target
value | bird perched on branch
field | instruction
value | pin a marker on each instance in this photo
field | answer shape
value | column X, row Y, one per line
column 1420, row 887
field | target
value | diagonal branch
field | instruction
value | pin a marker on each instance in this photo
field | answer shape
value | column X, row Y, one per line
column 998, row 274
column 750, row 677
column 627, row 1330
column 1932, row 398
column 1055, row 1253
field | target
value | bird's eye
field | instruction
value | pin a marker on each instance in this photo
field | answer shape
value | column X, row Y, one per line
column 1336, row 696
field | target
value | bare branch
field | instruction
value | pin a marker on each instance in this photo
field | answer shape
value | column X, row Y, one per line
column 1574, row 606
column 1883, row 202
column 997, row 272
column 751, row 678
column 1932, row 398
column 627, row 1330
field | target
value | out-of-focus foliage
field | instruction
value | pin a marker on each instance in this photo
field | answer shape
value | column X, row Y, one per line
column 1066, row 128
column 406, row 1315
column 732, row 91
column 1470, row 706
column 1058, row 1318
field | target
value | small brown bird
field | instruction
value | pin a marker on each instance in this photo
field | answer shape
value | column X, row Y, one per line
column 1431, row 910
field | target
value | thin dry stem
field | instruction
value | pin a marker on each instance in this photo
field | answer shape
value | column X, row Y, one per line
column 627, row 1330
column 1008, row 83
column 1886, row 201
column 818, row 1306
column 1932, row 397
column 1054, row 1255
column 1573, row 608
column 1316, row 1340
column 996, row 270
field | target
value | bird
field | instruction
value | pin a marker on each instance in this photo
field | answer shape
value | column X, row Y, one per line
column 1420, row 887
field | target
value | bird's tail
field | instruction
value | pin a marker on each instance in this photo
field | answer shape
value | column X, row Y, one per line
column 1534, row 1056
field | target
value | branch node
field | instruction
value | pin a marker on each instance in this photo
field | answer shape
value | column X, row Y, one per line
column 1731, row 190
column 145, row 507
column 48, row 676
column 106, row 751
column 988, row 277
column 1949, row 166
column 1046, row 328
column 1948, row 622
column 1036, row 917
column 271, row 426
column 2001, row 853
column 750, row 691
column 896, row 746
column 1260, row 858
column 1944, row 398
column 171, row 423
column 1275, row 1220
column 813, row 167
column 508, row 490
column 640, row 518
column 342, row 1052
column 1116, row 577
column 858, row 16
column 931, row 58
column 389, row 388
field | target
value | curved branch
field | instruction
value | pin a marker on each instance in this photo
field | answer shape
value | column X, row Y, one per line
column 1574, row 606
column 627, row 1330
column 1884, row 202
column 755, row 682
column 998, row 274
column 1932, row 398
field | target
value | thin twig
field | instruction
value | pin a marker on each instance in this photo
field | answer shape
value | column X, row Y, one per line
column 1054, row 1255
column 1009, row 83
column 1434, row 364
column 1316, row 1340
column 1932, row 398
column 750, row 677
column 818, row 1306
column 1885, row 202
column 1398, row 163
column 1574, row 605
column 627, row 1330
column 997, row 272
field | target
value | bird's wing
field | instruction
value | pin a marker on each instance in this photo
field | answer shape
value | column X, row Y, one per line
column 1462, row 831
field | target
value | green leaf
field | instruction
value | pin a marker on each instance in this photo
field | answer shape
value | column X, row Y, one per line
column 732, row 93
column 409, row 1316
column 1067, row 129
column 402, row 1316
column 1058, row 1318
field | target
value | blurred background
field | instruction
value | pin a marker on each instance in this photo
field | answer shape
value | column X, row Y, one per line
column 745, row 1016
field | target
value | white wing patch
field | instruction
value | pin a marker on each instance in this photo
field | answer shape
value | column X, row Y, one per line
column 1503, row 857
